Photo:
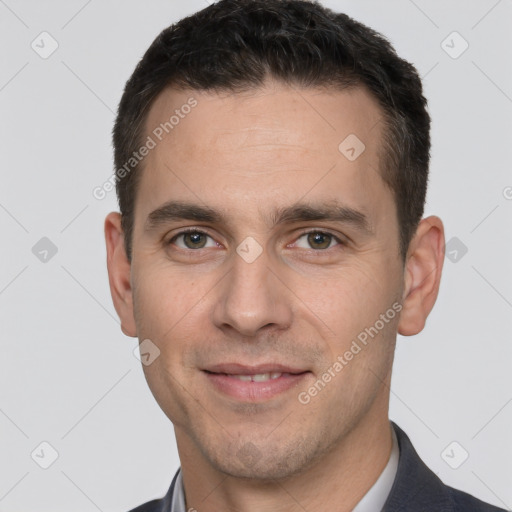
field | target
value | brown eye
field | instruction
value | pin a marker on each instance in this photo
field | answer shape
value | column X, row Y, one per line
column 319, row 240
column 192, row 240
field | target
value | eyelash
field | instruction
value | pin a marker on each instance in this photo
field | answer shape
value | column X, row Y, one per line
column 184, row 232
column 332, row 235
column 302, row 233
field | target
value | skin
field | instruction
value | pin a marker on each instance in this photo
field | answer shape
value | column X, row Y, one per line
column 248, row 155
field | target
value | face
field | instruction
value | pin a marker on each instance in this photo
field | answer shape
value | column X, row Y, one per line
column 261, row 253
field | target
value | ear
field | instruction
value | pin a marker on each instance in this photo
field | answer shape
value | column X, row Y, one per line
column 423, row 267
column 119, row 272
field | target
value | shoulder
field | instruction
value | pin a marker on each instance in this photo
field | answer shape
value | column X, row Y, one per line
column 150, row 506
column 417, row 488
column 463, row 502
column 159, row 505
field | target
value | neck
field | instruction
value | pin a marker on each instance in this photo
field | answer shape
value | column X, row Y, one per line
column 337, row 480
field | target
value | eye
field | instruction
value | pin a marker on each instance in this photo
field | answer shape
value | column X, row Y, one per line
column 192, row 239
column 318, row 240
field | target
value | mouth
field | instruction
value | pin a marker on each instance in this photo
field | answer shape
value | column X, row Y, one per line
column 254, row 383
column 257, row 377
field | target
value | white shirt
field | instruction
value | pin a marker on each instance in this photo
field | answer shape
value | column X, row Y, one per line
column 372, row 501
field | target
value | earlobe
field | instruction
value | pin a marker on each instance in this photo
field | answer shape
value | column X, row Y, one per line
column 119, row 273
column 422, row 275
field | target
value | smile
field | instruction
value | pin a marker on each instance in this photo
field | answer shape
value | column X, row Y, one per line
column 248, row 384
column 259, row 377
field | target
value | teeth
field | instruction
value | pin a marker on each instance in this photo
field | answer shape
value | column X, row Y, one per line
column 260, row 377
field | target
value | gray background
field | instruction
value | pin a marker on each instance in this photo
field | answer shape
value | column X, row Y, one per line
column 68, row 375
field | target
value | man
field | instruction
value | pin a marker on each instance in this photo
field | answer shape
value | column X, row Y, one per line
column 271, row 165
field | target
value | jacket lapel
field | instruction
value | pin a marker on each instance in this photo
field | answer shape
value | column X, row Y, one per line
column 416, row 487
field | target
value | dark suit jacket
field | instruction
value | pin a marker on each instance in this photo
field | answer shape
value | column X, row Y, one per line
column 416, row 489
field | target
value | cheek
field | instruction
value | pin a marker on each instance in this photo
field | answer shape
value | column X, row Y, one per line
column 169, row 311
column 165, row 300
column 347, row 300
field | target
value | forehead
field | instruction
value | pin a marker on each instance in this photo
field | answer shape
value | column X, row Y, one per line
column 265, row 147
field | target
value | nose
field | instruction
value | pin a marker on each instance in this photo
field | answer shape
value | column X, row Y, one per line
column 252, row 298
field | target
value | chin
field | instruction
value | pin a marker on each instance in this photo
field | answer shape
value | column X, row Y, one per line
column 263, row 462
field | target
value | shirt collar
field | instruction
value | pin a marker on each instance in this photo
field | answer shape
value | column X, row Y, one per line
column 178, row 497
column 376, row 497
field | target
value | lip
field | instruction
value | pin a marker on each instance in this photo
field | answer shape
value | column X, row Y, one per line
column 222, row 379
column 242, row 369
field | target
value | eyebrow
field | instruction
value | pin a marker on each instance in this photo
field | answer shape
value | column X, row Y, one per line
column 333, row 212
column 176, row 210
